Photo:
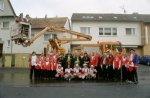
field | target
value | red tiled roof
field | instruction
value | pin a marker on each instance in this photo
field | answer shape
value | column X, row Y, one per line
column 38, row 23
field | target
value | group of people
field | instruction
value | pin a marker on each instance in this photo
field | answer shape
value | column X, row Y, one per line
column 107, row 66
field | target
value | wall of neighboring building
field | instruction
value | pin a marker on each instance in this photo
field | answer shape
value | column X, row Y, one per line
column 5, row 33
column 146, row 33
column 6, row 10
column 121, row 34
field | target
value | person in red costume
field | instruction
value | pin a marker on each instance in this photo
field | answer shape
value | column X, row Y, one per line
column 124, row 61
column 38, row 68
column 93, row 59
column 43, row 65
column 133, row 62
column 59, row 72
column 105, row 65
column 116, row 67
column 32, row 64
column 110, row 67
column 53, row 61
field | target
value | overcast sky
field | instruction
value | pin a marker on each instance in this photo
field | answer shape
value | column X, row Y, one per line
column 61, row 8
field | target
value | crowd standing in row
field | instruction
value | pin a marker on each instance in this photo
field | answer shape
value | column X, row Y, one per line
column 111, row 67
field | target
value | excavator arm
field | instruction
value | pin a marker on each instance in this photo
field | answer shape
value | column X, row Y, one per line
column 56, row 42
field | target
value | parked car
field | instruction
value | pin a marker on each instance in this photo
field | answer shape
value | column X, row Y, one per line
column 145, row 60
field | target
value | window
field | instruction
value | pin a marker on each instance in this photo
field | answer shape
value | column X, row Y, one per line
column 130, row 31
column 114, row 31
column 8, row 43
column 1, row 5
column 88, row 17
column 6, row 25
column 85, row 30
column 101, row 31
column 108, row 31
column 48, row 36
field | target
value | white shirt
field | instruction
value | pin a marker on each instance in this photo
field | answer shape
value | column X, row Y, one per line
column 33, row 60
column 76, row 70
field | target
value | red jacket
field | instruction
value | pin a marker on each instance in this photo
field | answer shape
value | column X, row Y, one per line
column 93, row 60
column 116, row 63
column 38, row 62
column 124, row 60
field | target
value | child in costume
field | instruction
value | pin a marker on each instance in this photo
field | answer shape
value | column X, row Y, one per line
column 77, row 71
column 59, row 71
column 92, row 72
column 85, row 71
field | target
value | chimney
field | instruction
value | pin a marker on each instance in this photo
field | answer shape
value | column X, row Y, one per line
column 45, row 16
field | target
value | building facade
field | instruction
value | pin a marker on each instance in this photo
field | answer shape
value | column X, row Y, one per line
column 132, row 30
column 7, row 18
column 13, row 55
column 129, row 29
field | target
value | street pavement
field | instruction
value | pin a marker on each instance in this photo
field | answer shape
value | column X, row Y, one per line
column 15, row 83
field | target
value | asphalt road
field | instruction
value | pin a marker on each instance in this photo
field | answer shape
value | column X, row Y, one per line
column 15, row 83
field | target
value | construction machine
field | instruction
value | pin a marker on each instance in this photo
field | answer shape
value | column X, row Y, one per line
column 105, row 46
column 22, row 35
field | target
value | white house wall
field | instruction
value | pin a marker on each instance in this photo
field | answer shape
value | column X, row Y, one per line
column 121, row 34
column 5, row 33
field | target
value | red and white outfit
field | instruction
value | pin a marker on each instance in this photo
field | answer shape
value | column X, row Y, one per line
column 130, row 63
column 68, row 73
column 33, row 60
column 124, row 61
column 93, row 60
column 92, row 72
column 85, row 72
column 38, row 64
column 53, row 62
column 116, row 63
column 43, row 63
column 59, row 71
column 77, row 71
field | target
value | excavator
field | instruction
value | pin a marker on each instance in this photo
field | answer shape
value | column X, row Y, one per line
column 23, row 35
column 105, row 46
